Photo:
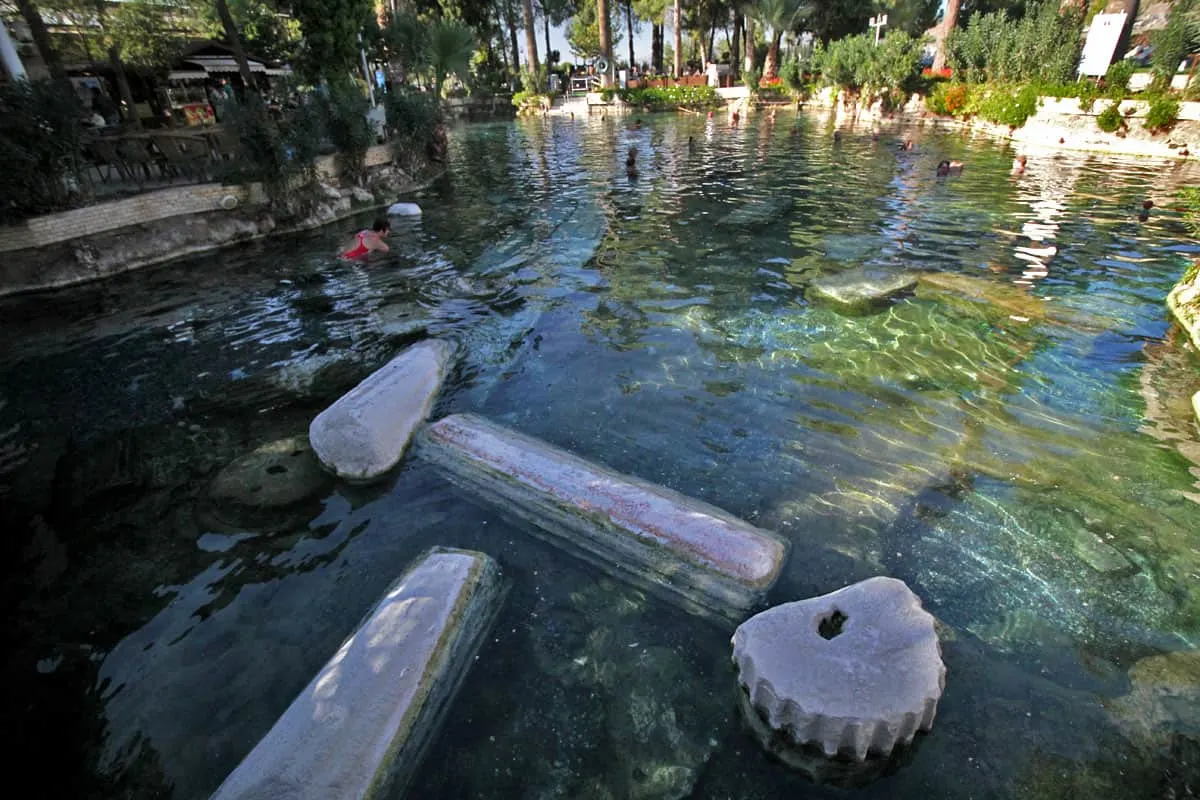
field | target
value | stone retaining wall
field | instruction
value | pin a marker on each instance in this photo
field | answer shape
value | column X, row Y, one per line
column 85, row 244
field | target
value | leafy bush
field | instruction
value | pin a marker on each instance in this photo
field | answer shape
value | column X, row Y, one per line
column 530, row 102
column 40, row 134
column 346, row 123
column 282, row 156
column 416, row 129
column 751, row 78
column 855, row 65
column 1042, row 45
column 1162, row 114
column 1110, row 120
column 1116, row 79
column 670, row 98
column 948, row 98
column 1009, row 106
column 1172, row 43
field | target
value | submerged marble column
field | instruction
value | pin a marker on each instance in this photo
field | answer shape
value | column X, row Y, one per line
column 691, row 553
column 360, row 728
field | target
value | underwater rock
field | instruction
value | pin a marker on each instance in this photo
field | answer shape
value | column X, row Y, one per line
column 860, row 291
column 1163, row 699
column 1100, row 556
column 693, row 554
column 360, row 727
column 276, row 475
column 855, row 673
column 404, row 210
column 757, row 213
column 365, row 433
column 660, row 736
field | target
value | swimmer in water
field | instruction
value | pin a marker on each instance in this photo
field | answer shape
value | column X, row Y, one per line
column 907, row 144
column 631, row 163
column 691, row 144
column 369, row 240
column 1018, row 167
column 949, row 168
column 734, row 117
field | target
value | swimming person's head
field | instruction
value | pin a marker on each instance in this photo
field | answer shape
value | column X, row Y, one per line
column 381, row 226
column 943, row 168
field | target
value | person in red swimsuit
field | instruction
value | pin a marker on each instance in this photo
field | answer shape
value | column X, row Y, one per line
column 369, row 241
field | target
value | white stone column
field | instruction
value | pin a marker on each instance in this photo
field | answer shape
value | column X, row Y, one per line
column 9, row 55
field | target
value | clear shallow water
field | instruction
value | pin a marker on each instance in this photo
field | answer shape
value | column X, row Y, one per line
column 1011, row 441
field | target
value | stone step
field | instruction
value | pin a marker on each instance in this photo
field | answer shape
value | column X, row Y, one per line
column 693, row 554
column 360, row 728
column 366, row 431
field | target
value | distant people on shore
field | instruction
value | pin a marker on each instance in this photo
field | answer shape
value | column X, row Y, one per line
column 369, row 240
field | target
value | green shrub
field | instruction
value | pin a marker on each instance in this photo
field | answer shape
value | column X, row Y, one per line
column 792, row 76
column 1162, row 114
column 1171, row 43
column 40, row 134
column 528, row 102
column 416, row 131
column 282, row 156
column 1116, row 79
column 1043, row 44
column 751, row 79
column 671, row 97
column 346, row 123
column 1110, row 120
column 1088, row 94
column 1005, row 105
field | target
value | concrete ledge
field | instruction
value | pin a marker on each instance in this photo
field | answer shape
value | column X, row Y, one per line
column 365, row 433
column 360, row 728
column 693, row 554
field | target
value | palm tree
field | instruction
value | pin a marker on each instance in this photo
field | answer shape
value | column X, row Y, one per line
column 451, row 44
column 531, row 54
column 948, row 23
column 778, row 17
column 678, row 39
column 604, row 23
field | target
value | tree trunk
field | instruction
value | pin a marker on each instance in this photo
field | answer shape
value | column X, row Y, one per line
column 531, row 54
column 750, row 44
column 629, row 26
column 511, row 19
column 605, row 25
column 235, row 44
column 114, row 61
column 771, row 68
column 735, row 46
column 678, row 42
column 948, row 23
column 1130, row 7
column 546, row 26
column 656, row 48
column 41, row 38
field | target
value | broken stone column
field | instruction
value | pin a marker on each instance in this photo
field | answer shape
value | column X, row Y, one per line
column 860, row 291
column 365, row 433
column 360, row 727
column 691, row 553
column 837, row 684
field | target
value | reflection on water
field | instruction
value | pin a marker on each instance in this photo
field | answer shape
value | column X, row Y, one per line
column 1013, row 440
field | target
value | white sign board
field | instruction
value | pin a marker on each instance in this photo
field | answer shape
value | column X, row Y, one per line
column 1101, row 42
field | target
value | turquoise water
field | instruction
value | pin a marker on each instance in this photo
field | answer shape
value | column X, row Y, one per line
column 1012, row 440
